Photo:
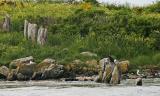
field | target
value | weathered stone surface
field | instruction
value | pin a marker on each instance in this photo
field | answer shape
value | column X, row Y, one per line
column 4, row 72
column 111, row 72
column 12, row 75
column 124, row 65
column 44, row 65
column 27, row 69
column 37, row 76
column 17, row 62
column 32, row 31
column 53, row 72
column 42, row 36
column 115, row 78
column 7, row 23
column 25, row 28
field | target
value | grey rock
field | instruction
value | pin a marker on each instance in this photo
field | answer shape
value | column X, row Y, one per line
column 3, row 72
column 53, row 72
column 12, row 75
column 17, row 62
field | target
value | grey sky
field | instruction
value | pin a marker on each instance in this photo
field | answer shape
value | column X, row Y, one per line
column 130, row 2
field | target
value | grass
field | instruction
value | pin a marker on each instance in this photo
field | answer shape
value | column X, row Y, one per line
column 123, row 32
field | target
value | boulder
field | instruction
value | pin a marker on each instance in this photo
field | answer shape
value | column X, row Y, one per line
column 115, row 78
column 44, row 65
column 27, row 69
column 124, row 66
column 17, row 62
column 37, row 76
column 12, row 75
column 54, row 71
column 90, row 54
column 22, row 77
column 3, row 72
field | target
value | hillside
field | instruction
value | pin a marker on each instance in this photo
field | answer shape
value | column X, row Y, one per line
column 125, row 33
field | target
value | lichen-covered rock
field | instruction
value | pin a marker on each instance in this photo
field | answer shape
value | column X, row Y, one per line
column 27, row 69
column 54, row 71
column 12, row 75
column 17, row 62
column 115, row 78
column 3, row 72
column 124, row 66
column 44, row 65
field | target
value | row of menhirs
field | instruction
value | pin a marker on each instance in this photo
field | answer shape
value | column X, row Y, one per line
column 31, row 32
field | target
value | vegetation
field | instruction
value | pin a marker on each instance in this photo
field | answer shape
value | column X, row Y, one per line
column 123, row 32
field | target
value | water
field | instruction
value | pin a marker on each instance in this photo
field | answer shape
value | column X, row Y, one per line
column 151, row 87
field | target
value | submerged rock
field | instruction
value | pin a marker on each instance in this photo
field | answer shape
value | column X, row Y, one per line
column 139, row 81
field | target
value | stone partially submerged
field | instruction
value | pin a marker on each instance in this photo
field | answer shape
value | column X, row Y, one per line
column 111, row 71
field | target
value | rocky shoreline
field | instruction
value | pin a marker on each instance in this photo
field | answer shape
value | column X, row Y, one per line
column 24, row 69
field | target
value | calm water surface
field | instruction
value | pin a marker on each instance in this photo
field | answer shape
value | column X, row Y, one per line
column 151, row 87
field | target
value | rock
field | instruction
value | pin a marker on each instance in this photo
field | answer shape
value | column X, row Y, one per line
column 12, row 75
column 115, row 79
column 106, row 76
column 17, row 62
column 37, row 76
column 49, row 61
column 7, row 23
column 139, row 81
column 3, row 72
column 44, row 65
column 42, row 36
column 27, row 69
column 22, row 77
column 89, row 54
column 53, row 72
column 124, row 66
column 32, row 31
column 25, row 28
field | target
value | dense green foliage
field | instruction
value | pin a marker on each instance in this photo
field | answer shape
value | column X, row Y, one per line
column 125, row 33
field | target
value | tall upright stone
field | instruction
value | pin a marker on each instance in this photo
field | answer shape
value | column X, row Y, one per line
column 6, row 23
column 25, row 28
column 42, row 36
column 32, row 31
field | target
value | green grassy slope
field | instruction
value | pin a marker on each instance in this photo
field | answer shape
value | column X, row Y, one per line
column 122, row 32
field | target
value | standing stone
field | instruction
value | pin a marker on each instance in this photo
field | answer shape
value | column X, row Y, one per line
column 115, row 79
column 6, row 24
column 25, row 28
column 32, row 31
column 42, row 36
